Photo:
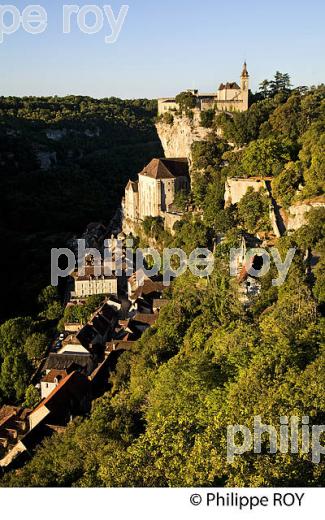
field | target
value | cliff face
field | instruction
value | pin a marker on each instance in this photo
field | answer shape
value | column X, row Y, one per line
column 297, row 214
column 177, row 138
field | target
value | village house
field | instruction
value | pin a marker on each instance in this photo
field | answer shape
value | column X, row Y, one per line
column 140, row 286
column 92, row 283
column 69, row 398
column 51, row 380
column 229, row 97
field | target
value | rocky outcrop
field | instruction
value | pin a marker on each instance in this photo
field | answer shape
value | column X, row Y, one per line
column 297, row 214
column 178, row 137
column 236, row 188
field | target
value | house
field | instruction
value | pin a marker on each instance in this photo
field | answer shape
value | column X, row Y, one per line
column 236, row 187
column 140, row 285
column 99, row 328
column 72, row 345
column 82, row 362
column 13, row 426
column 69, row 398
column 94, row 281
column 141, row 322
column 51, row 380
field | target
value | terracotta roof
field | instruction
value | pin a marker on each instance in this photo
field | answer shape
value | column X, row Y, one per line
column 148, row 319
column 72, row 386
column 91, row 273
column 160, row 302
column 119, row 345
column 55, row 391
column 149, row 287
column 54, row 374
column 166, row 169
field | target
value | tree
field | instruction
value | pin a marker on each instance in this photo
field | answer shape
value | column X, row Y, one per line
column 32, row 397
column 207, row 118
column 265, row 157
column 253, row 211
column 281, row 83
column 186, row 101
column 286, row 184
column 265, row 88
column 35, row 347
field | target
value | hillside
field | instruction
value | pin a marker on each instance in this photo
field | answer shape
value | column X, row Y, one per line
column 210, row 361
column 63, row 164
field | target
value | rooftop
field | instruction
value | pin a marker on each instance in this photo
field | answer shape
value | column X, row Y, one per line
column 166, row 168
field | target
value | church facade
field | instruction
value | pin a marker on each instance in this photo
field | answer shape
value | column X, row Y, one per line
column 230, row 97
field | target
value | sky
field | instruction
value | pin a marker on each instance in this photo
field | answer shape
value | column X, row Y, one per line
column 164, row 47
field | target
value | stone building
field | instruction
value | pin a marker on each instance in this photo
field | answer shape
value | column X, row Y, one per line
column 154, row 192
column 93, row 283
column 236, row 188
column 230, row 97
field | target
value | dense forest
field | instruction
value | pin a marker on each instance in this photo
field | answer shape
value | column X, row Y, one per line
column 209, row 362
column 63, row 163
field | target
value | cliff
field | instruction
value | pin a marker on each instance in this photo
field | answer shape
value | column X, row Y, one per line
column 178, row 137
column 297, row 214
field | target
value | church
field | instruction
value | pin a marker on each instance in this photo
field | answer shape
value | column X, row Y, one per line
column 230, row 97
column 153, row 194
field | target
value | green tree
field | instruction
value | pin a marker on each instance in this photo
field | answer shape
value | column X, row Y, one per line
column 265, row 157
column 32, row 397
column 186, row 101
column 253, row 211
column 35, row 347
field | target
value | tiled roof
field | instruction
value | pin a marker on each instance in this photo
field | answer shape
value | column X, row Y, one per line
column 91, row 273
column 166, row 169
column 54, row 374
column 67, row 360
column 148, row 319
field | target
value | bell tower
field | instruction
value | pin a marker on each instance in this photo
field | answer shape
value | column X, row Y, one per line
column 244, row 85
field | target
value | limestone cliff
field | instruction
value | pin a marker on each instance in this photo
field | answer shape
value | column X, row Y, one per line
column 297, row 214
column 177, row 138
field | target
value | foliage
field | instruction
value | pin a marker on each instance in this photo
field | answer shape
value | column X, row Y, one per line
column 32, row 397
column 81, row 313
column 88, row 142
column 253, row 211
column 186, row 101
column 207, row 118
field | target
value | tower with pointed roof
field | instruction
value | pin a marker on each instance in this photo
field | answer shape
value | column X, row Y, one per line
column 244, row 85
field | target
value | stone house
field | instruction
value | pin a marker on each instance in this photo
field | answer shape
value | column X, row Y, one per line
column 93, row 282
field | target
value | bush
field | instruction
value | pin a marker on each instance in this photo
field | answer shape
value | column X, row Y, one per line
column 207, row 118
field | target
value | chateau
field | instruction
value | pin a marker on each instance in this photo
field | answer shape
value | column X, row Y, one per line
column 230, row 97
column 153, row 194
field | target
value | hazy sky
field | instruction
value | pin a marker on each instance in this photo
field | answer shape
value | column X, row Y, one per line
column 165, row 47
